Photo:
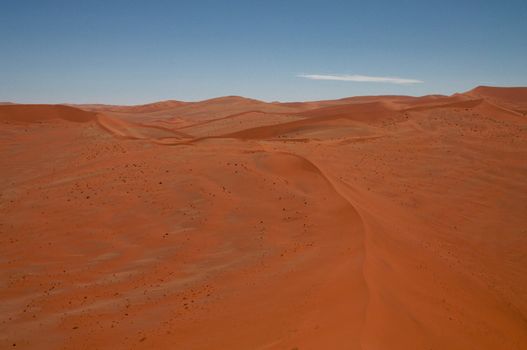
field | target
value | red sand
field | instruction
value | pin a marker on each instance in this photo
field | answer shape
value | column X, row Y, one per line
column 384, row 222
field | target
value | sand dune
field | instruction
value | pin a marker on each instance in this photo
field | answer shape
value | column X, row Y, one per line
column 334, row 118
column 513, row 97
column 40, row 113
column 150, row 107
column 382, row 222
column 127, row 129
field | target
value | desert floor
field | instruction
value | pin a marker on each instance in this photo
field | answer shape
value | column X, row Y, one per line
column 369, row 223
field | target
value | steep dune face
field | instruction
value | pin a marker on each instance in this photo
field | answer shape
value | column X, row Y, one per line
column 40, row 113
column 511, row 97
column 375, row 224
column 126, row 129
column 30, row 114
column 326, row 122
column 238, row 122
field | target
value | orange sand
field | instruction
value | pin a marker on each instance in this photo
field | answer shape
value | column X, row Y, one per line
column 369, row 223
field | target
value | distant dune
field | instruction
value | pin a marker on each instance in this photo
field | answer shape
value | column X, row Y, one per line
column 371, row 222
column 40, row 113
column 513, row 97
column 150, row 107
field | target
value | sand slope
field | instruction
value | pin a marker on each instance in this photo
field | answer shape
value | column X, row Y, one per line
column 41, row 113
column 146, row 108
column 513, row 97
column 382, row 222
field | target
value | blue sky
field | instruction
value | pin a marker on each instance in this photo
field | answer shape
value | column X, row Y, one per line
column 128, row 52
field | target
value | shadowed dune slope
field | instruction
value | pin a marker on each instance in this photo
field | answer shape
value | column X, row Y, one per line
column 510, row 97
column 40, row 113
column 127, row 129
column 333, row 117
column 146, row 108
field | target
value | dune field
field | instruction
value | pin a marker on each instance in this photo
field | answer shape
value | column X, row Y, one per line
column 380, row 222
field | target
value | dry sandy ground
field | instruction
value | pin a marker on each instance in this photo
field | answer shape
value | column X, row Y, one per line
column 364, row 223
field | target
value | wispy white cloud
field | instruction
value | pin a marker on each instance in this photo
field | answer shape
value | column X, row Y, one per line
column 361, row 78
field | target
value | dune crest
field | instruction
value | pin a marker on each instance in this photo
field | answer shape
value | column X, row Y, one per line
column 512, row 97
column 41, row 113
